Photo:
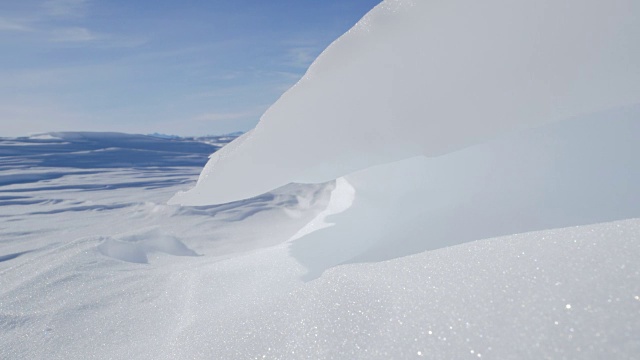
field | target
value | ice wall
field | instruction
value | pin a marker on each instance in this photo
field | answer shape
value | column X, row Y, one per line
column 429, row 77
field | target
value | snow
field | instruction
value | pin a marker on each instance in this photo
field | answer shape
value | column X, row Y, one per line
column 135, row 248
column 340, row 199
column 429, row 77
column 449, row 214
column 246, row 294
column 95, row 264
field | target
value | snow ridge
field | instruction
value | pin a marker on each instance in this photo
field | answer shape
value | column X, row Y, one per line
column 431, row 77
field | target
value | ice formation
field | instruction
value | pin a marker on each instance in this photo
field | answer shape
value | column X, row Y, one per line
column 569, row 173
column 95, row 264
column 429, row 77
column 92, row 263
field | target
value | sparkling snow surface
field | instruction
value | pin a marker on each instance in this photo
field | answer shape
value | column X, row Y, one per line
column 524, row 245
column 93, row 264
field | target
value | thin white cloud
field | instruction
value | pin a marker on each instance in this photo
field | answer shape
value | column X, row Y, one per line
column 74, row 9
column 289, row 75
column 84, row 36
column 73, row 34
column 35, row 80
column 14, row 25
column 302, row 56
column 65, row 8
column 111, row 41
column 55, row 22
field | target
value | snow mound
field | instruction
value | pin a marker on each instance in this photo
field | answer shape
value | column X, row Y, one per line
column 135, row 248
column 571, row 293
column 411, row 80
column 570, row 173
column 340, row 199
column 429, row 77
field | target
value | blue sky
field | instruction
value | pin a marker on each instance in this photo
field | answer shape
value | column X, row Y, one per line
column 179, row 67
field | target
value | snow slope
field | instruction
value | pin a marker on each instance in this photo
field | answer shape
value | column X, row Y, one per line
column 237, row 289
column 565, row 174
column 429, row 77
column 507, row 245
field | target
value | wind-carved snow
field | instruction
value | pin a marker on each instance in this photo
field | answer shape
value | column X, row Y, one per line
column 429, row 77
column 340, row 200
column 406, row 259
column 136, row 247
column 570, row 173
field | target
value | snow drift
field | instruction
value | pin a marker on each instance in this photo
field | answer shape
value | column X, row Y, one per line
column 571, row 173
column 95, row 264
column 429, row 77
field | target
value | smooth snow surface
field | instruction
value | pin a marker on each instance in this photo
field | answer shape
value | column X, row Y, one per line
column 428, row 77
column 569, row 173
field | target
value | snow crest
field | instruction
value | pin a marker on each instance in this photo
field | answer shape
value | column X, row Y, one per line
column 430, row 77
column 385, row 279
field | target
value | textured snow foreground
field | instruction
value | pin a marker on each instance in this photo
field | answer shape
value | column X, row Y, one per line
column 522, row 243
column 93, row 264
